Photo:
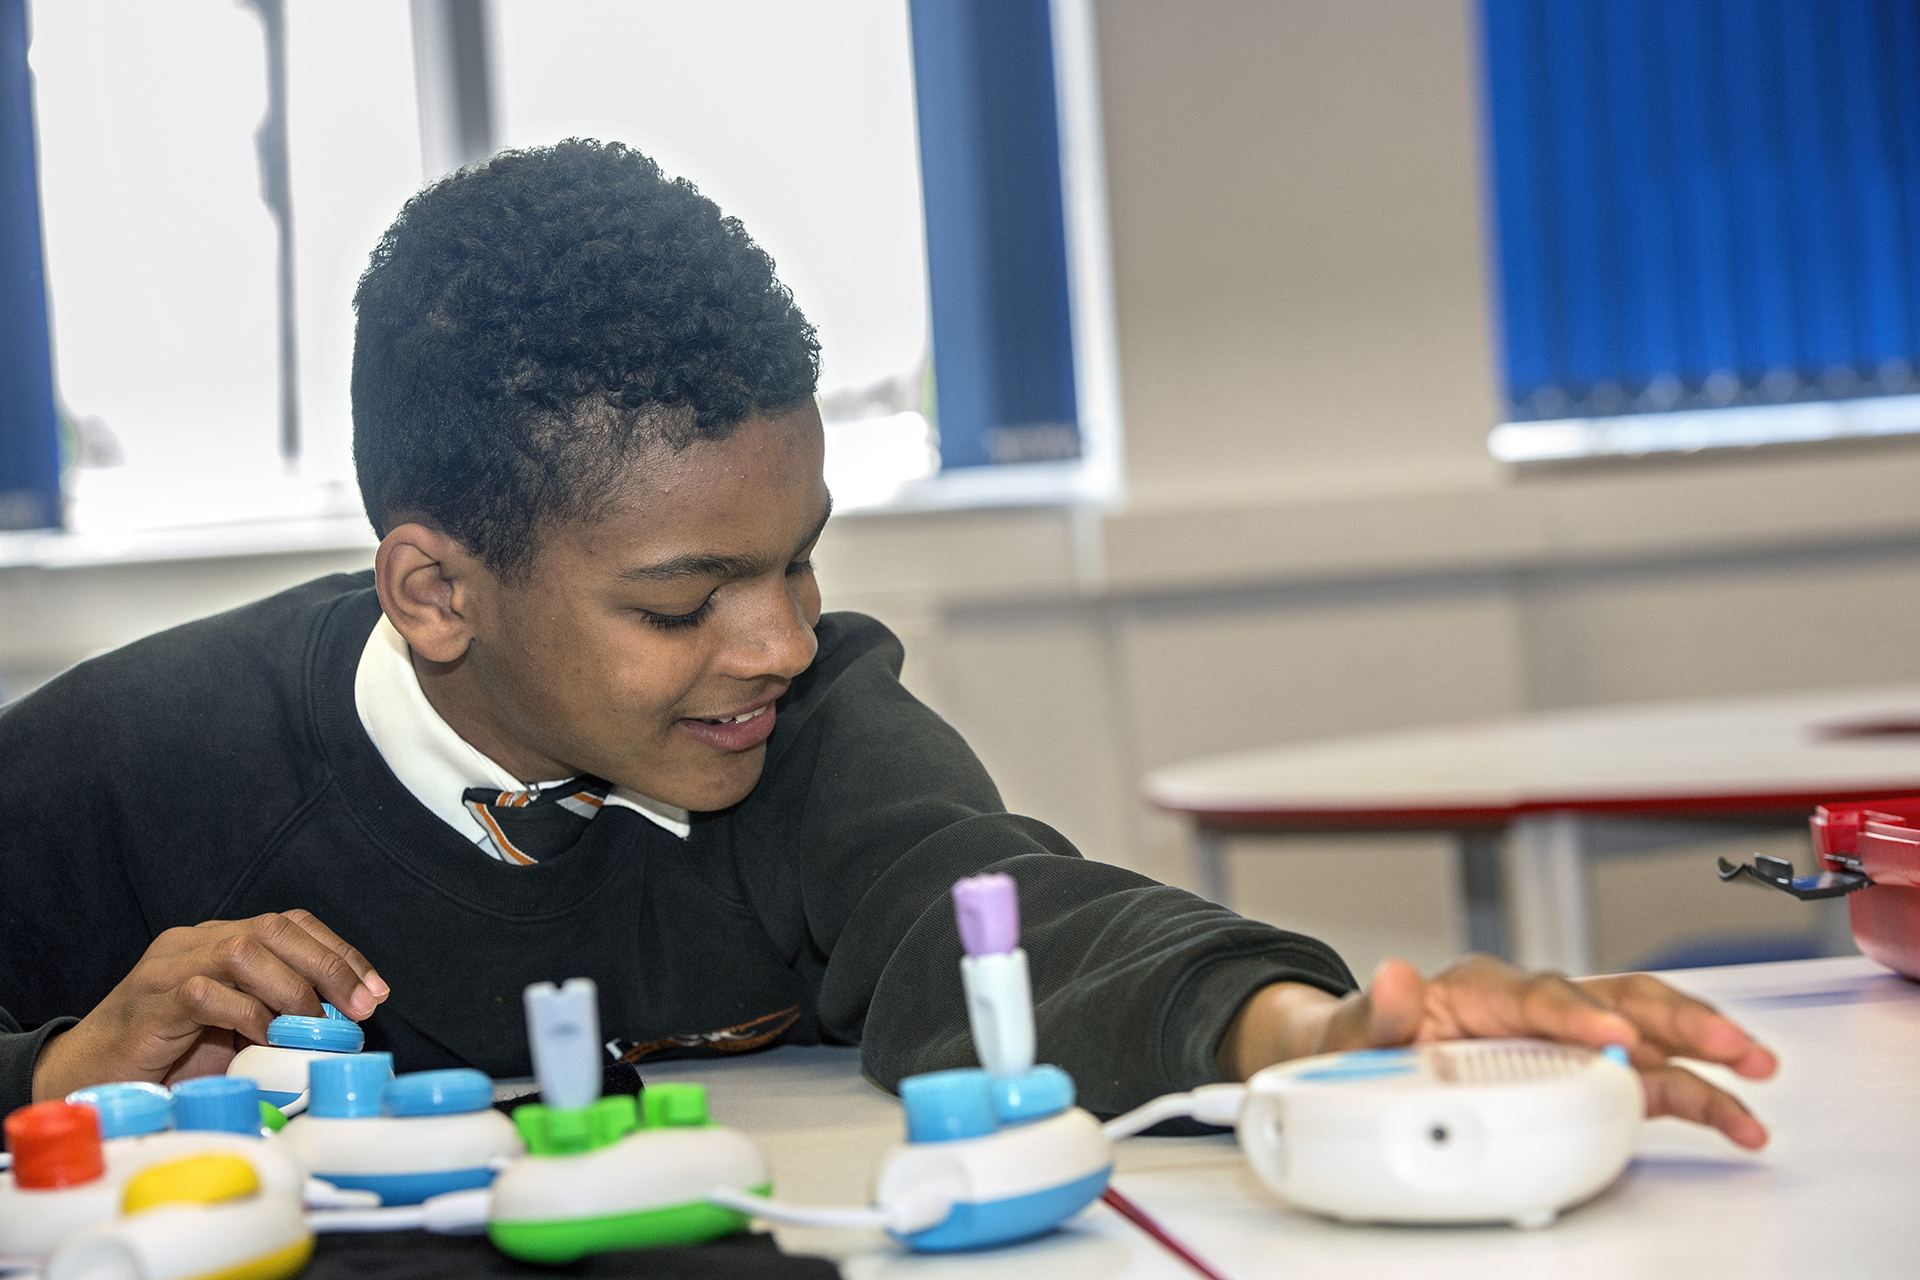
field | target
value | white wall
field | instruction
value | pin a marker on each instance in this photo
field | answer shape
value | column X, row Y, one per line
column 1316, row 541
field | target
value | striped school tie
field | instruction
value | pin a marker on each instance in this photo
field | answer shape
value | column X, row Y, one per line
column 524, row 827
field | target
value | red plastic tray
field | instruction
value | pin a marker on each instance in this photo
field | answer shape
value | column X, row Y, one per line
column 1880, row 838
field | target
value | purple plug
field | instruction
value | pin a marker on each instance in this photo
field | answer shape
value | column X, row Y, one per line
column 989, row 911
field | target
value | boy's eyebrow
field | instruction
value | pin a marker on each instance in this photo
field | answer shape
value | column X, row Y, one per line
column 707, row 565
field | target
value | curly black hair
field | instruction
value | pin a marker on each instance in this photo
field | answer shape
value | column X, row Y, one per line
column 528, row 325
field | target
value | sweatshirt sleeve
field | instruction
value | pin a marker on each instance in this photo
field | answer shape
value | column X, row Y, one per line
column 1134, row 982
column 19, row 1050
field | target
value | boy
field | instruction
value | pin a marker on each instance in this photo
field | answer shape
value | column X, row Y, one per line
column 585, row 717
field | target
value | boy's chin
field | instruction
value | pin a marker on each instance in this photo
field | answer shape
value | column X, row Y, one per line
column 705, row 789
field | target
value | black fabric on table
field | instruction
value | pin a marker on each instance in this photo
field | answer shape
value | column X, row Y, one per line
column 416, row 1255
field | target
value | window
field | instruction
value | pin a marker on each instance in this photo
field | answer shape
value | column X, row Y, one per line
column 1708, row 221
column 798, row 116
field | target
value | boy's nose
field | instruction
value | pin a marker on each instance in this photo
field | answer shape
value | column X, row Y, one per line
column 776, row 639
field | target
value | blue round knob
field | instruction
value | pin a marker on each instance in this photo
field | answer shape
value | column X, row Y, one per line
column 943, row 1106
column 439, row 1093
column 331, row 1034
column 348, row 1087
column 223, row 1104
column 128, row 1109
column 1033, row 1095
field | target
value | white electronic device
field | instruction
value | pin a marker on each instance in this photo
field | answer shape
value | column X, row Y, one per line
column 1456, row 1132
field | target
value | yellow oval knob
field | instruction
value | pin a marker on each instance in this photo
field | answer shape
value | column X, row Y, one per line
column 201, row 1179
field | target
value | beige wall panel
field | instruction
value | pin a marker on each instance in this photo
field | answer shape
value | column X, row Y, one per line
column 53, row 618
column 1367, row 897
column 1214, row 676
column 1817, row 620
column 955, row 554
column 1030, row 690
column 1297, row 235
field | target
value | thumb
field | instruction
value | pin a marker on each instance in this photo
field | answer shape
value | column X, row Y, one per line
column 1386, row 1014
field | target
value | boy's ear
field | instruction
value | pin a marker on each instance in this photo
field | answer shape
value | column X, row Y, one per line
column 428, row 585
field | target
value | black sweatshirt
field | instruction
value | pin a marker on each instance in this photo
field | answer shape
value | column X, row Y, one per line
column 220, row 770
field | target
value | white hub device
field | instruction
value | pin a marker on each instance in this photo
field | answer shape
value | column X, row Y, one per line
column 1469, row 1131
column 1462, row 1131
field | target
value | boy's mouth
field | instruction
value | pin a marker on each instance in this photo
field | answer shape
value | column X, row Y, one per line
column 742, row 718
column 739, row 732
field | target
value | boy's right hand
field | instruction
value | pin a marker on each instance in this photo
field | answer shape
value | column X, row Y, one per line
column 179, row 1012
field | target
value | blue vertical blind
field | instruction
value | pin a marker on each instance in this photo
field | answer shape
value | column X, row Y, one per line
column 1704, row 202
column 29, row 429
column 996, row 231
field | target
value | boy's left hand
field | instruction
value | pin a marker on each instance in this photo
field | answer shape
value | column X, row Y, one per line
column 1481, row 997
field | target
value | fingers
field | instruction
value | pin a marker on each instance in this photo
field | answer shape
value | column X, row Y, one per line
column 1678, row 1024
column 1675, row 1091
column 214, row 1004
column 245, row 963
column 360, row 965
column 213, row 1050
column 1484, row 997
column 1387, row 1013
column 272, row 948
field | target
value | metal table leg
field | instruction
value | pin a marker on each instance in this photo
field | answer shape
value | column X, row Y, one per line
column 1483, row 891
column 1547, row 877
column 1210, row 864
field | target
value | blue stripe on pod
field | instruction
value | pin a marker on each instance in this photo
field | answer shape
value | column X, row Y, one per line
column 411, row 1188
column 980, row 1225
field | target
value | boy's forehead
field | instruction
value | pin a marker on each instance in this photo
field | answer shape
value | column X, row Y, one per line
column 757, row 489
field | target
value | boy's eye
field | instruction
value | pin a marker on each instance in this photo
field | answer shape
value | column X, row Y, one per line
column 668, row 621
column 799, row 567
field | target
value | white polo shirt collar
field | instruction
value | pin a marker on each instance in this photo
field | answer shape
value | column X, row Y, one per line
column 436, row 764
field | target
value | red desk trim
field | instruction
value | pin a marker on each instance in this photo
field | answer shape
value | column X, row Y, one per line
column 1311, row 819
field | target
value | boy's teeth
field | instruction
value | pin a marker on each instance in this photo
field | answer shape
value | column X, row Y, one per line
column 737, row 719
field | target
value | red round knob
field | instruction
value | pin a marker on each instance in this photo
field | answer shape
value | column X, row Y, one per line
column 54, row 1144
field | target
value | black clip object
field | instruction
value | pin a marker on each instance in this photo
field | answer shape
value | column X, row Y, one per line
column 1777, row 873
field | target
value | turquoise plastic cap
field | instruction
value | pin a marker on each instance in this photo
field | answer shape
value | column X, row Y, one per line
column 330, row 1034
column 222, row 1104
column 128, row 1109
column 1617, row 1054
column 1033, row 1095
column 348, row 1087
column 438, row 1093
column 945, row 1106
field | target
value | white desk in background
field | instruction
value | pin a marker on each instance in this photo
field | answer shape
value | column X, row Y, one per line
column 1564, row 786
column 1834, row 1195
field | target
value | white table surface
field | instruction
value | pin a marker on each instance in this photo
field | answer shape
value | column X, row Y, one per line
column 1714, row 755
column 1834, row 1195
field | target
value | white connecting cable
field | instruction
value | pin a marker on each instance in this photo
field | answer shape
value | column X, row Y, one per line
column 455, row 1213
column 320, row 1194
column 902, row 1216
column 1210, row 1104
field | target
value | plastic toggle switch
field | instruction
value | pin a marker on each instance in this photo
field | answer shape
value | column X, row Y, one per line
column 54, row 1144
column 350, row 1086
column 674, row 1106
column 128, row 1109
column 223, row 1104
column 454, row 1092
column 947, row 1106
column 329, row 1034
column 552, row 1131
column 1034, row 1095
